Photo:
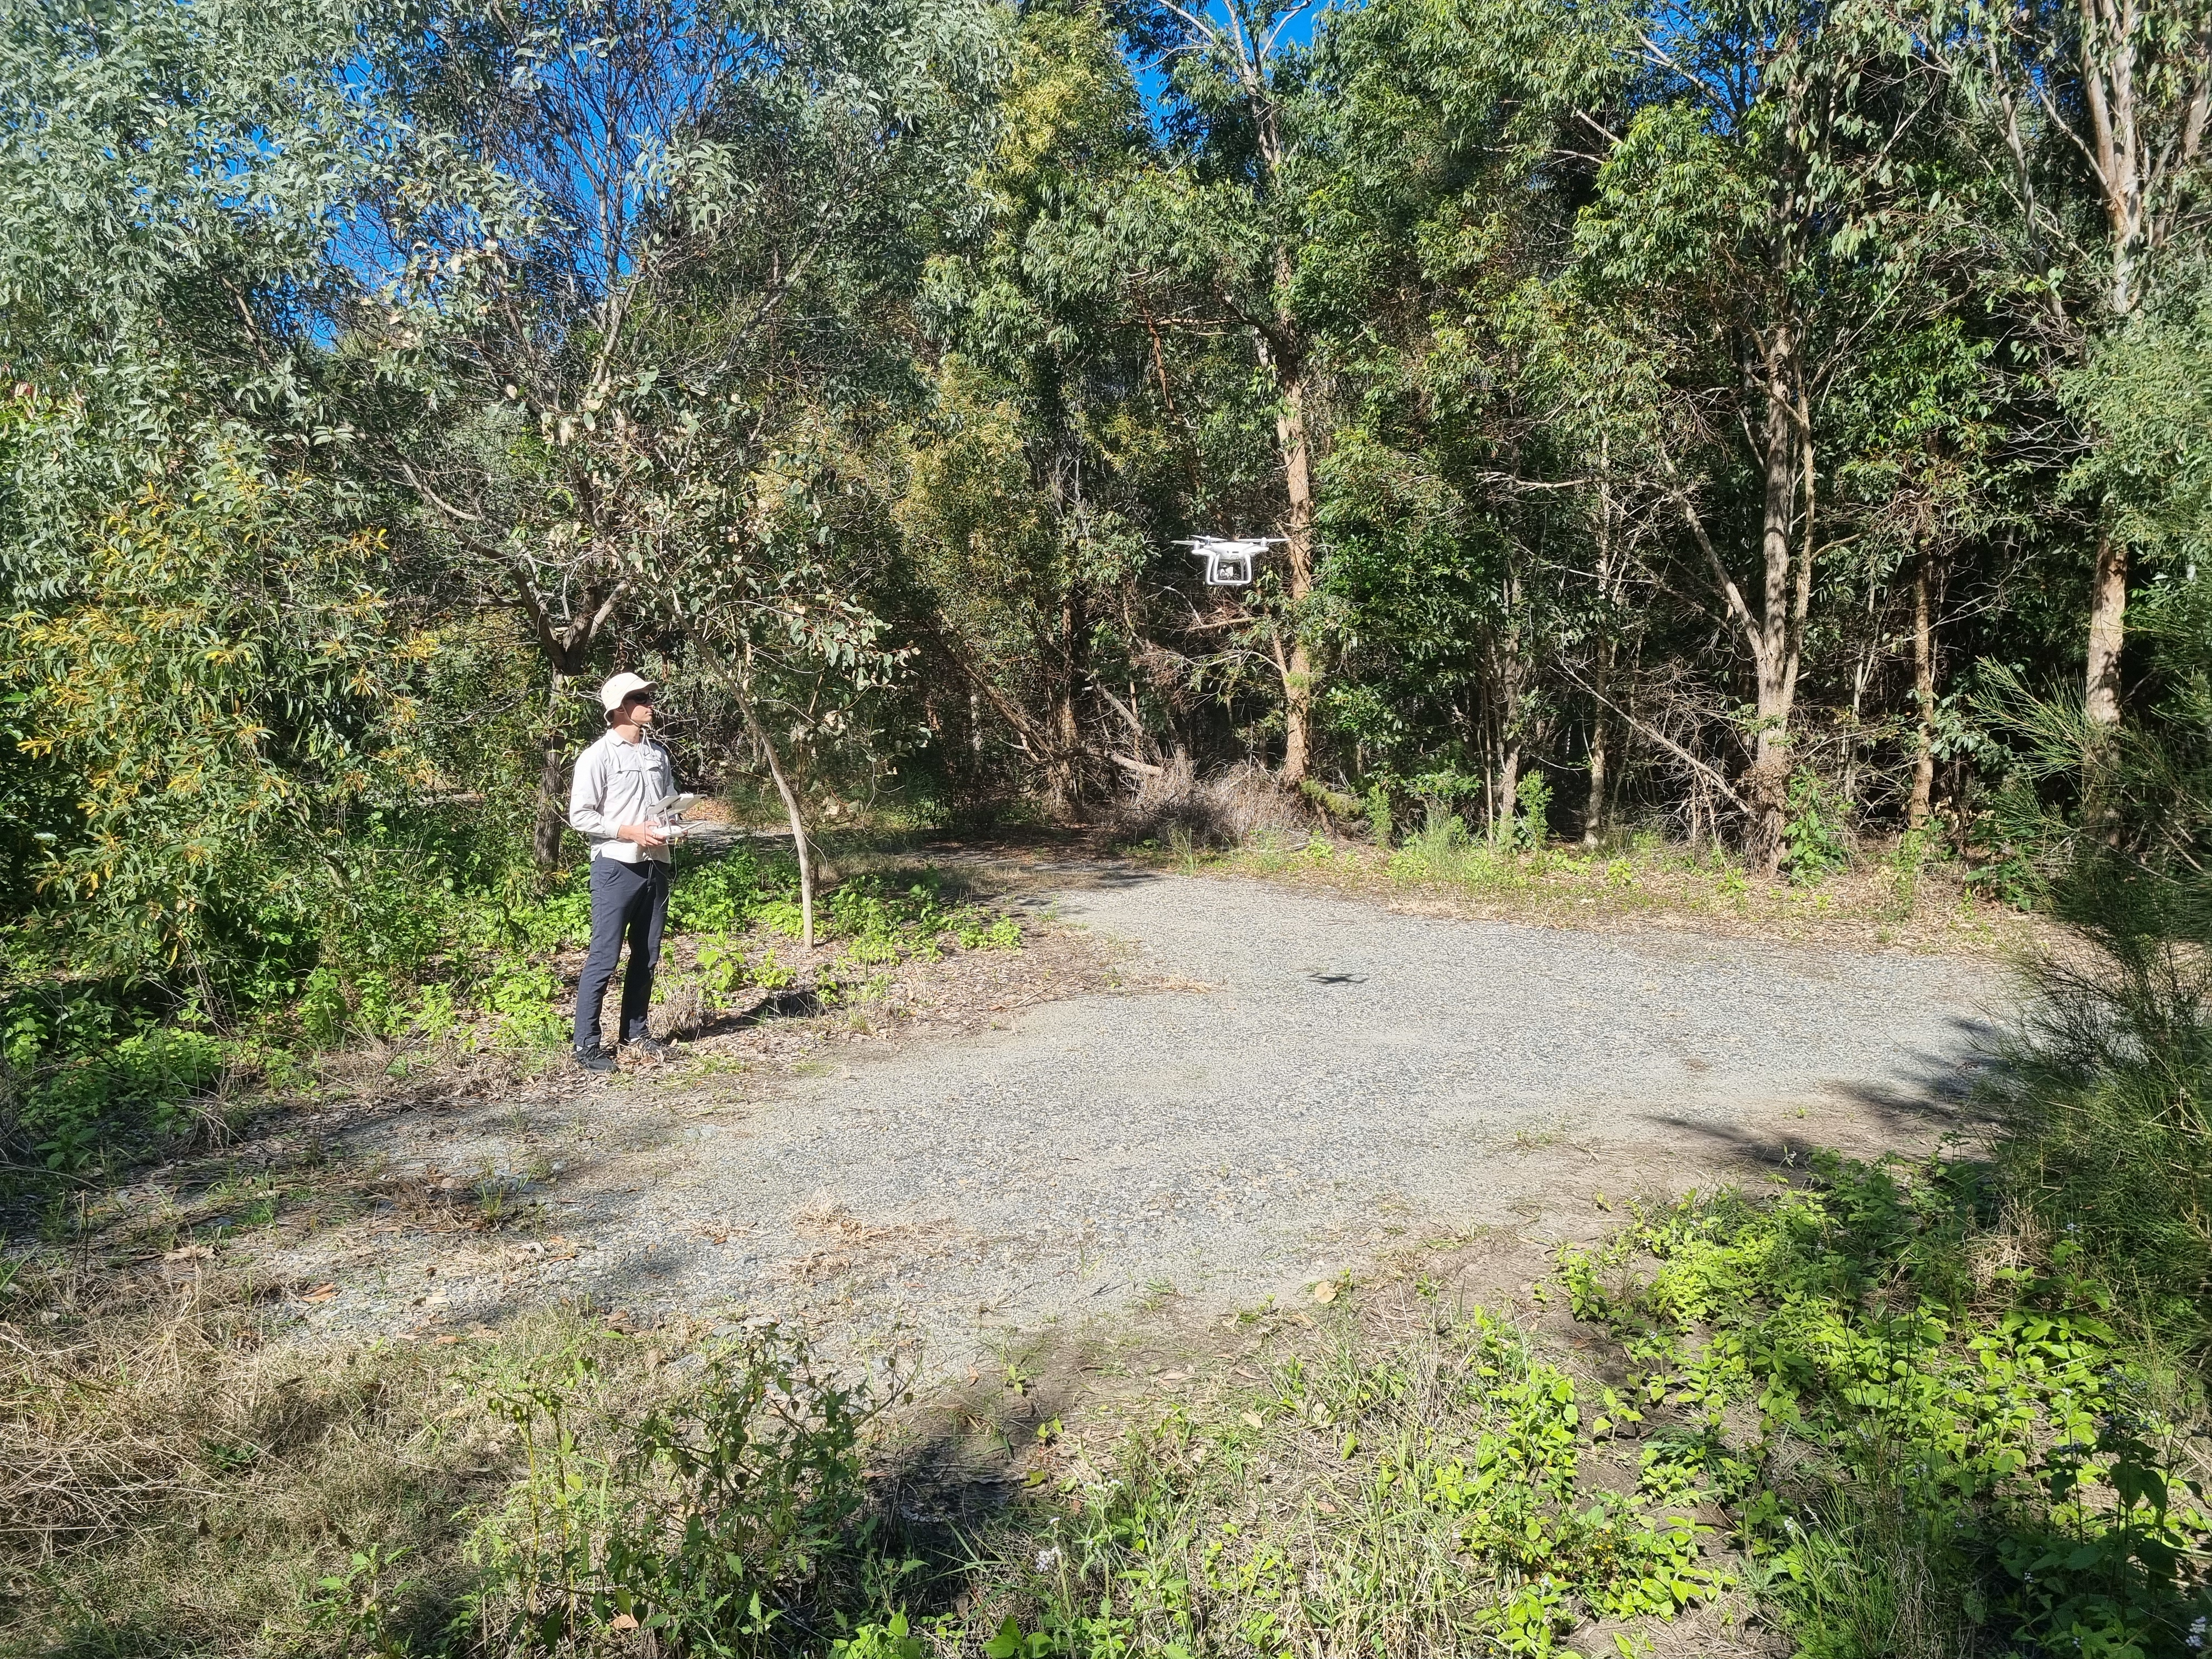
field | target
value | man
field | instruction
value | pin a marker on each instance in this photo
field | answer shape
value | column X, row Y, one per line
column 620, row 781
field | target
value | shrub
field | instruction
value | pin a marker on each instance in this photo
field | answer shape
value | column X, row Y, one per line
column 1938, row 1458
column 1815, row 835
column 718, row 1518
column 1531, row 825
column 88, row 1076
column 2102, row 1090
column 1224, row 809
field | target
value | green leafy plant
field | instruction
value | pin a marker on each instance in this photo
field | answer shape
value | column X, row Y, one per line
column 1927, row 1455
column 1906, row 865
column 1531, row 824
column 90, row 1075
column 722, row 1513
column 522, row 994
column 1815, row 834
column 357, row 1604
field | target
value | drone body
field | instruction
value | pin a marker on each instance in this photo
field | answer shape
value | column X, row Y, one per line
column 1229, row 558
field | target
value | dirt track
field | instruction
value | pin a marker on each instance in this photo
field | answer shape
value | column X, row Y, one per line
column 1285, row 1086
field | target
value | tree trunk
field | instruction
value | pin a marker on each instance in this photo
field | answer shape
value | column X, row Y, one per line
column 1297, row 529
column 2108, row 605
column 1282, row 353
column 1511, row 675
column 1923, row 687
column 798, row 820
column 1063, row 765
column 1509, row 785
column 1775, row 661
column 552, row 816
column 1594, row 805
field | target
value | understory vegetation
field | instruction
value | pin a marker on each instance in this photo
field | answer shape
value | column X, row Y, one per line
column 1877, row 1412
column 99, row 1080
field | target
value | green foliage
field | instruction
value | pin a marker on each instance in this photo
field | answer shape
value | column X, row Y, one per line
column 1937, row 1445
column 2102, row 1093
column 722, row 1515
column 2144, row 392
column 1531, row 824
column 1816, row 833
column 1907, row 864
column 2103, row 1085
column 879, row 924
column 227, row 681
column 82, row 1075
column 726, row 894
column 1461, row 1520
column 1381, row 826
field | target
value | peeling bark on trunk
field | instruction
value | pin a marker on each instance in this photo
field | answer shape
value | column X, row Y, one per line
column 2108, row 606
column 1600, row 736
column 1775, row 657
column 1509, row 671
column 1924, row 688
column 1297, row 666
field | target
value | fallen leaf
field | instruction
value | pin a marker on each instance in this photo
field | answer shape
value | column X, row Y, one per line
column 1325, row 1291
column 1251, row 1420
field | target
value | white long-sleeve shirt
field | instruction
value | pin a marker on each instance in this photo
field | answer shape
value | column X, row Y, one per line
column 619, row 782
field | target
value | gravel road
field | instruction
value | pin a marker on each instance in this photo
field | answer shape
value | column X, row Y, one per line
column 1288, row 1085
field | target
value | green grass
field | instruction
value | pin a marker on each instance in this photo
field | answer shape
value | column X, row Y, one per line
column 89, row 1084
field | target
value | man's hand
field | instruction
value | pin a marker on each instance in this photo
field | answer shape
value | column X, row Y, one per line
column 644, row 835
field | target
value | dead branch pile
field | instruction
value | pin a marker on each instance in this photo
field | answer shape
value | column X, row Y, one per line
column 1230, row 807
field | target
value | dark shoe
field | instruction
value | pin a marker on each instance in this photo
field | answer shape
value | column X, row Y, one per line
column 654, row 1046
column 596, row 1058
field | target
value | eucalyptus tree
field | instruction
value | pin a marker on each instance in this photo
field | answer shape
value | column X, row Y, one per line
column 689, row 229
column 1745, row 209
column 1044, row 479
column 1456, row 496
column 171, row 177
column 196, row 632
column 1232, row 220
column 2091, row 117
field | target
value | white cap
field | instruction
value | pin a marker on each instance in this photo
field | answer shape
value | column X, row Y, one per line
column 620, row 689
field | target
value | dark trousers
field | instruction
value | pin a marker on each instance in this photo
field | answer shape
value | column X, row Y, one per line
column 632, row 900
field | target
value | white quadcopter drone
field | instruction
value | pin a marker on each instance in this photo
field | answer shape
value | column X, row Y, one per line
column 1228, row 559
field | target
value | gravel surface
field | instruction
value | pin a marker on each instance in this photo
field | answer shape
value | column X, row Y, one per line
column 1284, row 1085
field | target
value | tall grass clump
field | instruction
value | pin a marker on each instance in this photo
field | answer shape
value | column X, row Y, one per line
column 2102, row 1095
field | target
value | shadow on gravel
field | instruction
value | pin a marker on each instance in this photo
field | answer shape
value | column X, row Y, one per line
column 1936, row 1097
column 797, row 1003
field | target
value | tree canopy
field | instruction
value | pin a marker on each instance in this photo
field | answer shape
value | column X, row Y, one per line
column 1662, row 412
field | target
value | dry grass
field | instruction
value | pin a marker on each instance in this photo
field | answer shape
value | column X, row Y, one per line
column 1645, row 883
column 175, row 1478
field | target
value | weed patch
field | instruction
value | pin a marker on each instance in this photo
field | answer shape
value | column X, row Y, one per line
column 1924, row 1449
